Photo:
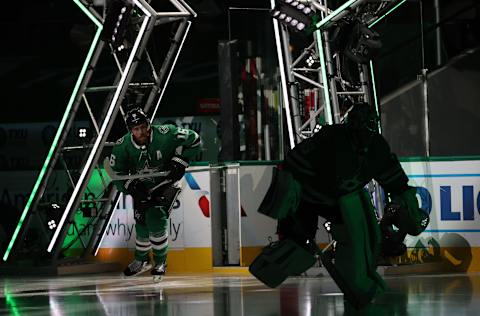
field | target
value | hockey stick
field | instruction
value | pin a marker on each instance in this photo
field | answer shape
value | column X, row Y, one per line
column 115, row 176
column 119, row 176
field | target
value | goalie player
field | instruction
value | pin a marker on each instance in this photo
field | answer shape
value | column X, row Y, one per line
column 325, row 176
column 152, row 148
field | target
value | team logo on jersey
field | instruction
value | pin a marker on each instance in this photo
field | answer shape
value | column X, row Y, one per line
column 163, row 129
column 119, row 141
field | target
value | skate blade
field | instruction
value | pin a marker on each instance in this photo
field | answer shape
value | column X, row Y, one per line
column 157, row 278
column 145, row 269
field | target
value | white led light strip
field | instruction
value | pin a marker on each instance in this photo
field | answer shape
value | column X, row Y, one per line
column 323, row 65
column 108, row 223
column 171, row 70
column 103, row 128
column 283, row 80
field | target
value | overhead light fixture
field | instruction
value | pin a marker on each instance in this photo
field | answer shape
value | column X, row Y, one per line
column 297, row 15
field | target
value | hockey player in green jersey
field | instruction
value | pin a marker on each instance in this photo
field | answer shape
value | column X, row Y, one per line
column 152, row 148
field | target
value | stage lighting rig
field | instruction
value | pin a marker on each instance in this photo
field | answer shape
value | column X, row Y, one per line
column 116, row 23
column 295, row 14
column 363, row 43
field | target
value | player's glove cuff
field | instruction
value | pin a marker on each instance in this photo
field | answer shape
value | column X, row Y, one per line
column 137, row 189
column 177, row 168
column 181, row 160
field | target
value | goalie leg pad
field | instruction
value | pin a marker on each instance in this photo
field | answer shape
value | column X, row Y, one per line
column 280, row 260
column 353, row 264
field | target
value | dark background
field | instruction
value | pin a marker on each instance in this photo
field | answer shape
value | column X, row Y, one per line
column 44, row 44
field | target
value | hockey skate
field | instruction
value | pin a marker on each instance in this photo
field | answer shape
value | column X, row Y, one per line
column 137, row 267
column 158, row 272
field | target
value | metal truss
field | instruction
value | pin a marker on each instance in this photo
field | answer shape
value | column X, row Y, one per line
column 319, row 68
column 135, row 76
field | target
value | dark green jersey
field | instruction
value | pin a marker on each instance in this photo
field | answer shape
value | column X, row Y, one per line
column 166, row 141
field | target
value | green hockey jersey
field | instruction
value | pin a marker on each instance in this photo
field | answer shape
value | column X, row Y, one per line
column 166, row 141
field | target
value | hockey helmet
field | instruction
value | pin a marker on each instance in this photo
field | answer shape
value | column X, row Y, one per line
column 135, row 117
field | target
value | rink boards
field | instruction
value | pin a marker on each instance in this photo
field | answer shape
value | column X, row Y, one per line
column 450, row 190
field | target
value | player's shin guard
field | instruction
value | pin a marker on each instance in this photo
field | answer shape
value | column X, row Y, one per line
column 280, row 260
column 353, row 263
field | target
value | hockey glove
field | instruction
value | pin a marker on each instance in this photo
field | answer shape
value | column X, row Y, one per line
column 139, row 192
column 177, row 168
column 165, row 197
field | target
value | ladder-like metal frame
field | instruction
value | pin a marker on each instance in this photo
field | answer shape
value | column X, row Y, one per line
column 327, row 77
column 107, row 201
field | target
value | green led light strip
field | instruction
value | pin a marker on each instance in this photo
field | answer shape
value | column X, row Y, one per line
column 11, row 303
column 383, row 16
column 375, row 96
column 335, row 13
column 59, row 130
column 371, row 64
column 323, row 66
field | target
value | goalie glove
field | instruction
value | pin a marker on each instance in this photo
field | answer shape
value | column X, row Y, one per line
column 177, row 168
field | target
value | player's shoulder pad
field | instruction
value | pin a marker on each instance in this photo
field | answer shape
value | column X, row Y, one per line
column 163, row 129
column 120, row 140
